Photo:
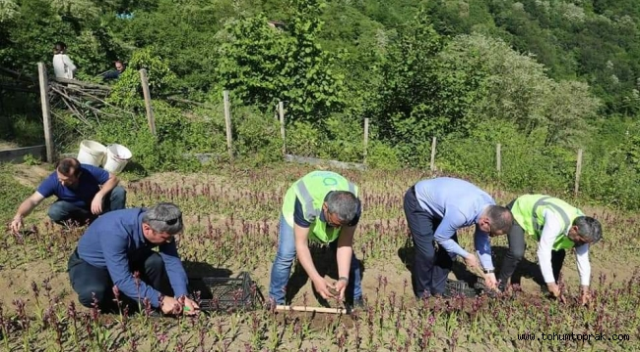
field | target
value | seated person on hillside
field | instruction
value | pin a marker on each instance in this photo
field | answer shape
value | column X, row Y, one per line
column 121, row 243
column 114, row 74
column 80, row 195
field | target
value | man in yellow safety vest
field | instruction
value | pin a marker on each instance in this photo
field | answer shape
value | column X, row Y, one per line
column 557, row 226
column 322, row 207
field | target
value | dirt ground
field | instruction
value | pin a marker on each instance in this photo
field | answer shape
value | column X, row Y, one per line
column 19, row 273
column 16, row 282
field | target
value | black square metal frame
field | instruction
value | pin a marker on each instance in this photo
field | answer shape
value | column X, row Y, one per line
column 225, row 294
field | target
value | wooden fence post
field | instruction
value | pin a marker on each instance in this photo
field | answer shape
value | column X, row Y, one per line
column 282, row 131
column 227, row 122
column 433, row 154
column 46, row 114
column 578, row 171
column 144, row 79
column 498, row 158
column 366, row 139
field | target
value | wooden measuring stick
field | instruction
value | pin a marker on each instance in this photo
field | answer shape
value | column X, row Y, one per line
column 312, row 309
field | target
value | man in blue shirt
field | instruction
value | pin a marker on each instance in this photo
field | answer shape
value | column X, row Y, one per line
column 83, row 191
column 119, row 243
column 435, row 210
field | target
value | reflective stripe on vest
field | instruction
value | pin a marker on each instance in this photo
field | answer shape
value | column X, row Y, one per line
column 560, row 211
column 308, row 200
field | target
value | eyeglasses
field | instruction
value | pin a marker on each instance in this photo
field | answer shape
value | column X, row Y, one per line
column 169, row 222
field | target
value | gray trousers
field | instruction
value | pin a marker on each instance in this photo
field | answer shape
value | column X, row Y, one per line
column 517, row 247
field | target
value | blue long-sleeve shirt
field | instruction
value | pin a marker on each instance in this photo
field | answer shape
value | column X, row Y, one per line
column 459, row 204
column 115, row 239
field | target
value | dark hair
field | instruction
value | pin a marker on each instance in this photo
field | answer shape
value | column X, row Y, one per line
column 68, row 167
column 59, row 47
column 500, row 218
column 344, row 204
column 588, row 228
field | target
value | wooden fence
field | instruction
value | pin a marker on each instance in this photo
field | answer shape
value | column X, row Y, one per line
column 280, row 115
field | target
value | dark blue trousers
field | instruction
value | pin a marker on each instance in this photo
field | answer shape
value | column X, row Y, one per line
column 431, row 267
column 61, row 211
column 88, row 280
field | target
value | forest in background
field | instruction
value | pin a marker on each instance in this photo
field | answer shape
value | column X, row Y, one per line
column 542, row 78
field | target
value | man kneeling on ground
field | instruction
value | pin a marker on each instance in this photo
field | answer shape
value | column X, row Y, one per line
column 83, row 191
column 120, row 243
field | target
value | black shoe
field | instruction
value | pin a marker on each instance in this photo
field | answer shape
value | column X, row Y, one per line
column 357, row 305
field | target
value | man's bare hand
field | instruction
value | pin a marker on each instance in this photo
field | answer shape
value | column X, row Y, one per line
column 96, row 204
column 490, row 281
column 585, row 298
column 16, row 224
column 554, row 290
column 193, row 306
column 322, row 288
column 170, row 305
column 471, row 261
column 341, row 286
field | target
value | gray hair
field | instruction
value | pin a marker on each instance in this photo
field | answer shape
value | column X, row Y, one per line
column 344, row 204
column 500, row 218
column 588, row 228
column 164, row 218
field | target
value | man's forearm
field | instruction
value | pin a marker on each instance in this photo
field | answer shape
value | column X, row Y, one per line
column 343, row 256
column 452, row 247
column 304, row 256
column 108, row 186
column 25, row 208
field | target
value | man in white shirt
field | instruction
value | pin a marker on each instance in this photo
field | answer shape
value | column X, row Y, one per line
column 557, row 226
column 63, row 66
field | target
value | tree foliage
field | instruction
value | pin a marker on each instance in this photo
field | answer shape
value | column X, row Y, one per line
column 265, row 66
column 533, row 75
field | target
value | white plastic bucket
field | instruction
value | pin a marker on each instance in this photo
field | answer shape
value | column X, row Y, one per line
column 92, row 153
column 117, row 158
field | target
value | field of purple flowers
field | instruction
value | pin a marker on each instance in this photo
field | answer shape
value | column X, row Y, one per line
column 231, row 218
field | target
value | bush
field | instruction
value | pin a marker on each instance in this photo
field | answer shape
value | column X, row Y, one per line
column 302, row 139
column 382, row 156
column 343, row 139
column 257, row 139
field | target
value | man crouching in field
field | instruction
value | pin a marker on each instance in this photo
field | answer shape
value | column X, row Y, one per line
column 120, row 243
column 557, row 226
column 84, row 192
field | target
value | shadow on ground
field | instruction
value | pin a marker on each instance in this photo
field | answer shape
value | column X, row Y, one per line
column 526, row 268
column 207, row 279
column 324, row 260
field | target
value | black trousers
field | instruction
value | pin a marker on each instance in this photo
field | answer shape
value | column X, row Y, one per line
column 87, row 280
column 431, row 266
column 517, row 247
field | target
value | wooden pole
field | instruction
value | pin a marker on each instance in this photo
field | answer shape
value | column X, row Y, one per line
column 578, row 171
column 46, row 113
column 498, row 158
column 366, row 139
column 433, row 154
column 144, row 79
column 312, row 309
column 282, row 130
column 227, row 122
